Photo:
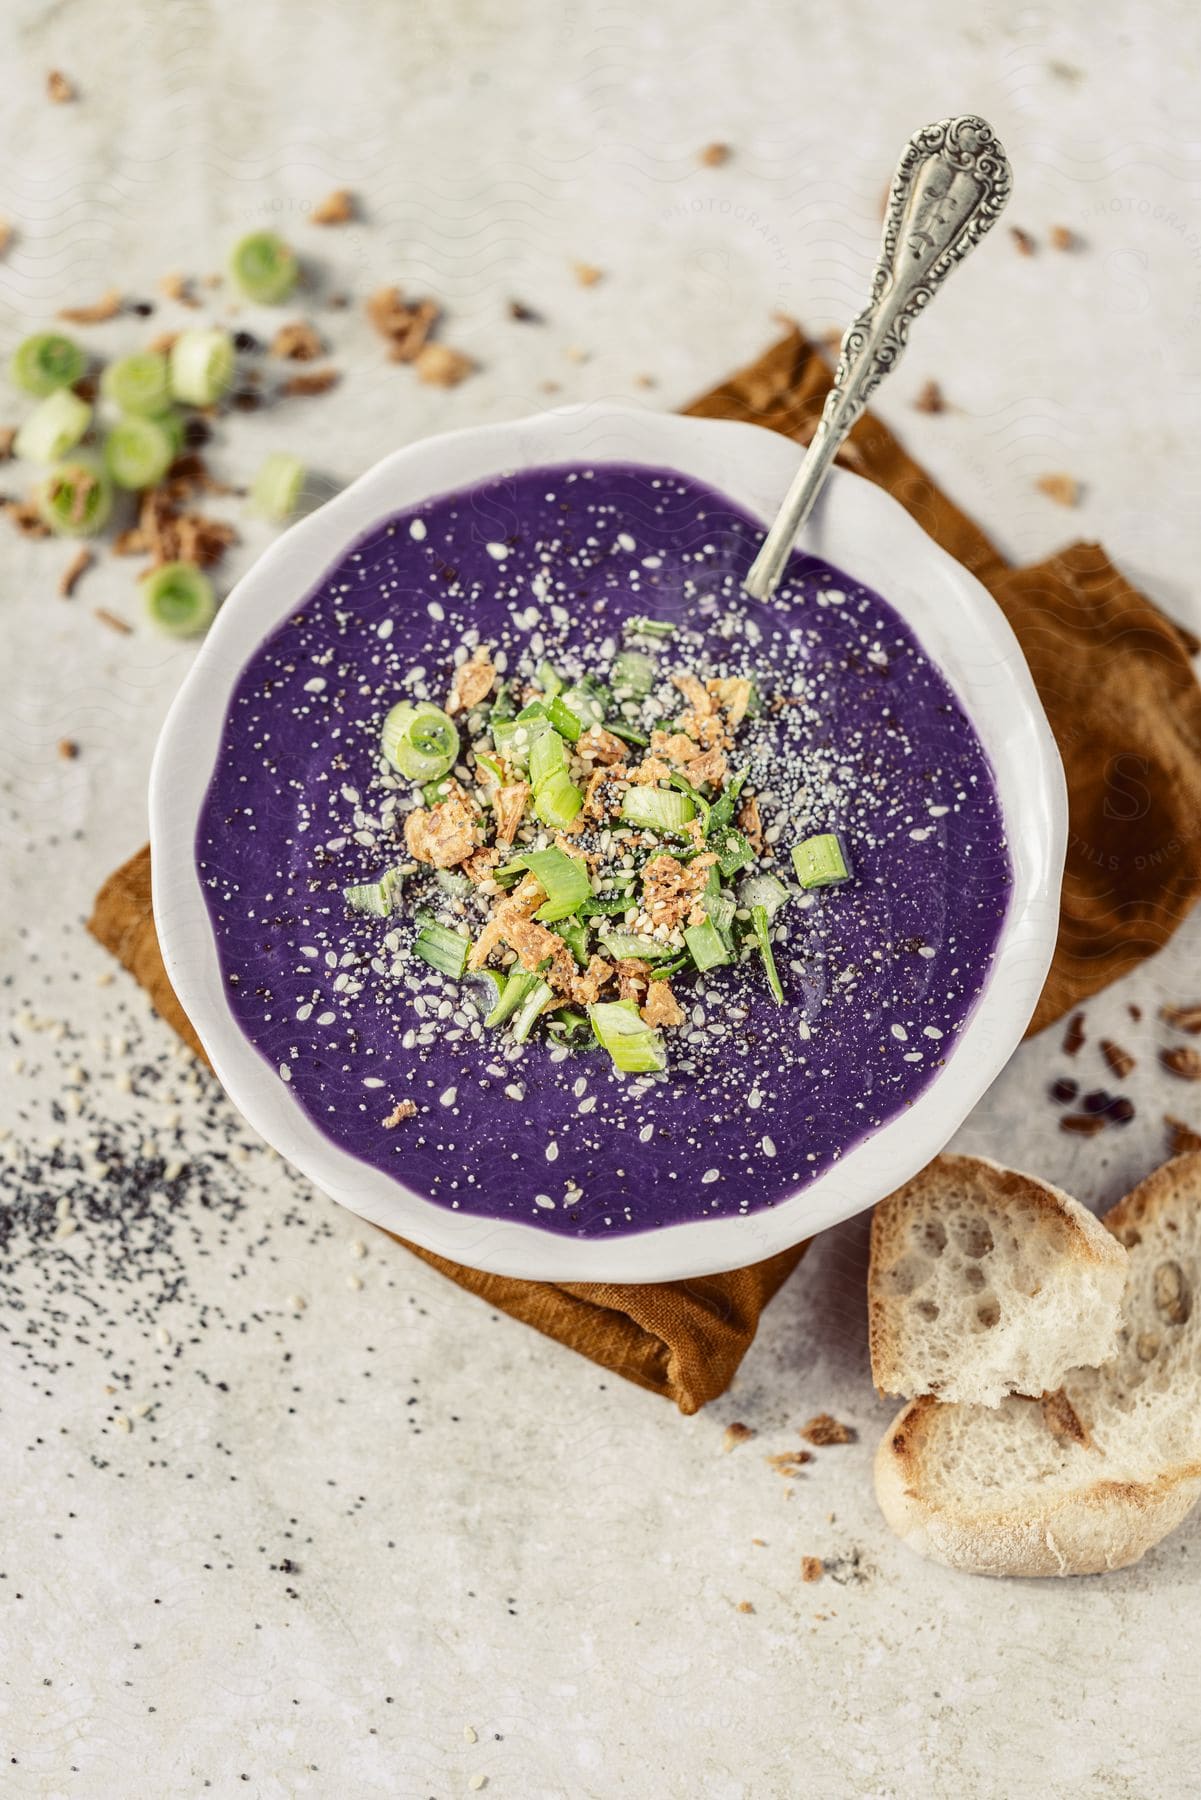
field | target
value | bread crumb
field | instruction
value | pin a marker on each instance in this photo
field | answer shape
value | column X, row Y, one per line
column 788, row 1463
column 713, row 155
column 27, row 519
column 736, row 1434
column 812, row 1568
column 1063, row 1421
column 1183, row 1061
column 1120, row 1061
column 178, row 287
column 646, row 381
column 6, row 232
column 745, row 1606
column 406, row 325
column 107, row 307
column 78, row 566
column 8, row 437
column 315, row 381
column 1073, row 1037
column 1023, row 243
column 1181, row 1137
column 336, row 209
column 930, row 399
column 587, row 274
column 59, row 89
column 525, row 315
column 1063, row 489
column 112, row 620
column 164, row 342
column 1182, row 1018
column 1061, row 238
column 823, row 1429
column 759, row 1543
column 68, row 749
column 440, row 366
column 404, row 1109
column 297, row 342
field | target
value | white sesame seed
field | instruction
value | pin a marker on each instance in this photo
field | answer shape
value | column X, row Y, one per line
column 448, row 1096
column 545, row 1202
column 646, row 1134
column 711, row 1175
column 552, row 1151
column 417, row 529
column 767, row 1146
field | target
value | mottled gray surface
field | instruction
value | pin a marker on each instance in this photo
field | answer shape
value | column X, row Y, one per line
column 485, row 1531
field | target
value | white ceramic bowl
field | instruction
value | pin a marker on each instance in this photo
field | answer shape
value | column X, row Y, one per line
column 859, row 529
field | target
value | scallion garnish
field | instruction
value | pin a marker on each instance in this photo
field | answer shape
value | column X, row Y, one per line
column 548, row 679
column 633, row 672
column 761, row 927
column 698, row 800
column 706, row 945
column 443, row 949
column 762, row 890
column 515, row 738
column 138, row 452
column 586, row 700
column 819, row 861
column 602, row 908
column 378, row 899
column 564, row 880
column 276, row 489
column 178, row 598
column 641, row 626
column 635, row 1047
column 138, row 383
column 575, row 935
column 563, row 719
column 720, row 909
column 722, row 811
column 627, row 734
column 453, row 882
column 420, row 741
column 657, row 809
column 75, row 498
column 565, row 1022
column 733, row 851
column 558, row 800
column 623, row 944
column 516, row 988
column 202, row 366
column 531, row 1005
column 46, row 361
column 53, row 427
column 264, row 267
column 503, row 706
column 547, row 757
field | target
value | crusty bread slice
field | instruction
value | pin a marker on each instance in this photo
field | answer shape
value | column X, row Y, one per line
column 1088, row 1478
column 984, row 1282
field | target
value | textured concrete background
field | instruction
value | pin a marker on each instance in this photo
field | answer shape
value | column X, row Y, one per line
column 268, row 1531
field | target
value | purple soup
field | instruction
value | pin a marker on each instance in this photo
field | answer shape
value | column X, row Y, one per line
column 858, row 734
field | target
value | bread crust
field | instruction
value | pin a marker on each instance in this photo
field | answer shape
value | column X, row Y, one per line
column 1088, row 1528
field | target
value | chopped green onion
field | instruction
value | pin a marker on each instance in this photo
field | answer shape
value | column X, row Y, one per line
column 173, row 424
column 819, row 861
column 202, row 366
column 492, row 769
column 421, row 742
column 657, row 809
column 623, row 944
column 584, row 700
column 698, row 800
column 46, row 361
column 563, row 719
column 549, row 679
column 762, row 890
column 627, row 734
column 558, row 800
column 75, row 498
column 503, row 706
column 632, row 673
column 664, row 971
column 575, row 935
column 636, row 1048
column 178, row 597
column 138, row 383
column 641, row 626
column 493, row 982
column 566, row 1022
column 453, row 883
column 531, row 1006
column 722, row 813
column 563, row 878
column 721, row 909
column 53, row 427
column 759, row 924
column 275, row 490
column 138, row 452
column 733, row 852
column 706, row 945
column 434, row 792
column 443, row 949
column 547, row 757
column 602, row 908
column 379, row 899
column 510, row 997
column 514, row 738
column 264, row 267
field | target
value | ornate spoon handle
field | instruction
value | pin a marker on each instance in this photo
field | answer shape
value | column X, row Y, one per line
column 950, row 186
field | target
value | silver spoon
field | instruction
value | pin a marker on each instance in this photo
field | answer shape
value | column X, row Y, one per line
column 951, row 184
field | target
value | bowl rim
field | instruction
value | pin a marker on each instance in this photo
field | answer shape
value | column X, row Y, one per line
column 959, row 624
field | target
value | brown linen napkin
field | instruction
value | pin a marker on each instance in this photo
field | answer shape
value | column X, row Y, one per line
column 1115, row 679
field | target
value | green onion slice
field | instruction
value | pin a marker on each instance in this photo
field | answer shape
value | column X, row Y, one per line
column 623, row 944
column 547, row 757
column 733, row 852
column 138, row 452
column 627, row 734
column 202, row 366
column 53, row 427
column 635, row 1047
column 549, row 679
column 138, row 383
column 443, row 949
column 75, row 498
column 264, row 267
column 586, row 702
column 722, row 812
column 657, row 809
column 420, row 741
column 46, row 361
column 819, row 861
column 633, row 672
column 575, row 935
column 760, row 927
column 698, row 800
column 531, row 1005
column 564, row 880
column 503, row 706
column 721, row 910
column 706, row 945
column 378, row 899
column 179, row 598
column 276, row 489
column 515, row 738
column 557, row 801
column 762, row 890
column 563, row 719
column 641, row 626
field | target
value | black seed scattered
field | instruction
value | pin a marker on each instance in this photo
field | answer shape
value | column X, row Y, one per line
column 1097, row 1102
column 1064, row 1089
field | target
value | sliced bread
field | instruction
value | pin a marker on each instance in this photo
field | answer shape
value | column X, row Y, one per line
column 984, row 1283
column 1087, row 1478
